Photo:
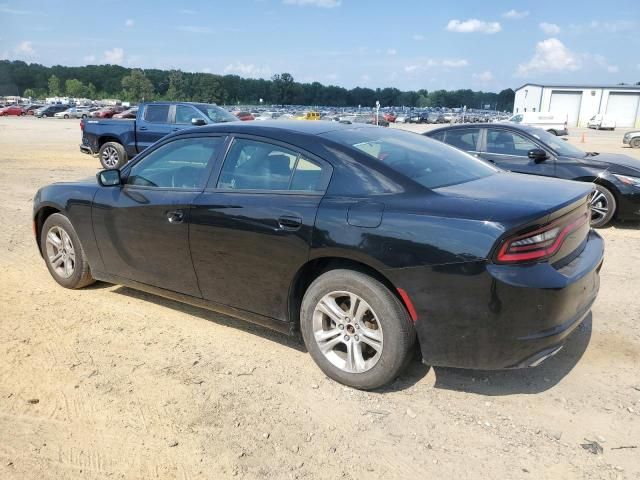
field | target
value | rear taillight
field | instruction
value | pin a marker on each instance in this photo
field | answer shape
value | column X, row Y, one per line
column 541, row 243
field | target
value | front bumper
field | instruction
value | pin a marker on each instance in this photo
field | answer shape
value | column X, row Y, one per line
column 487, row 316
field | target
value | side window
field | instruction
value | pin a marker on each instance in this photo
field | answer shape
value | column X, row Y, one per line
column 180, row 164
column 508, row 143
column 463, row 138
column 253, row 165
column 156, row 113
column 438, row 136
column 185, row 113
column 307, row 176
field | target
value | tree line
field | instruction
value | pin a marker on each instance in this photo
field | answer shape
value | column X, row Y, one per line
column 134, row 84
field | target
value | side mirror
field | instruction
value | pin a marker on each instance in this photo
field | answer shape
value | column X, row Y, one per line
column 537, row 154
column 198, row 122
column 109, row 178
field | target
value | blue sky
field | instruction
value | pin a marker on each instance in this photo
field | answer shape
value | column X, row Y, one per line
column 406, row 44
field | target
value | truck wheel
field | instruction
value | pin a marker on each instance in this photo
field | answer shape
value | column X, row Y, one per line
column 635, row 142
column 112, row 155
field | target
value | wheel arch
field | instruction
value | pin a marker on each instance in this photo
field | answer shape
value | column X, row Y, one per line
column 108, row 138
column 316, row 267
column 44, row 212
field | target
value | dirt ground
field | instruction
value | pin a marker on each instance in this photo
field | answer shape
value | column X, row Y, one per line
column 108, row 382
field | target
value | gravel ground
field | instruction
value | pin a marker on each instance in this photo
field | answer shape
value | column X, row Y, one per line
column 108, row 382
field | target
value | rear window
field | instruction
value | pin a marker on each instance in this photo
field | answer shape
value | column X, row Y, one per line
column 431, row 163
column 157, row 113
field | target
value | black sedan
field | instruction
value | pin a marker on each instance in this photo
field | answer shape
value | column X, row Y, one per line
column 363, row 238
column 533, row 151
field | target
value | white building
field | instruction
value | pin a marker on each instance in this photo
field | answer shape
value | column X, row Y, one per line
column 581, row 102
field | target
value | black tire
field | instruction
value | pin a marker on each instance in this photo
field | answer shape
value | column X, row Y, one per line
column 81, row 274
column 397, row 332
column 603, row 207
column 553, row 132
column 112, row 155
column 635, row 142
column 66, row 116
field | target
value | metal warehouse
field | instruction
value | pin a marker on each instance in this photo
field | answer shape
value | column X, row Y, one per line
column 581, row 102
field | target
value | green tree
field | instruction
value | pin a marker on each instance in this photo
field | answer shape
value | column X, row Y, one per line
column 137, row 87
column 54, row 86
column 29, row 92
column 91, row 91
column 75, row 88
column 177, row 86
column 282, row 88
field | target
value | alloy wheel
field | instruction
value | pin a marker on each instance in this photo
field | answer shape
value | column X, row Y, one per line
column 347, row 332
column 599, row 206
column 110, row 157
column 60, row 252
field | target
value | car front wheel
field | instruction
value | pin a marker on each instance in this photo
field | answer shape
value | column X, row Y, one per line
column 355, row 329
column 603, row 206
column 635, row 143
column 63, row 253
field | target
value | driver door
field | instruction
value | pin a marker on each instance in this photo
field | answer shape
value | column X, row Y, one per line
column 142, row 226
column 510, row 150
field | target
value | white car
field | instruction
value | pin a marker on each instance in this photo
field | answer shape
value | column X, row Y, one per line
column 602, row 122
column 555, row 123
column 73, row 112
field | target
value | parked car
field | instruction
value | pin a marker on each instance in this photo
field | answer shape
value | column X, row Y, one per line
column 31, row 109
column 554, row 123
column 116, row 141
column 371, row 120
column 602, row 122
column 15, row 110
column 390, row 117
column 632, row 139
column 384, row 237
column 50, row 110
column 533, row 151
column 244, row 116
column 129, row 113
column 107, row 112
column 73, row 112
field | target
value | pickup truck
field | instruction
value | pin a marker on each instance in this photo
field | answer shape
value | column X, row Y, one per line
column 117, row 141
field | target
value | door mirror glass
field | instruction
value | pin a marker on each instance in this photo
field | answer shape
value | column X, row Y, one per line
column 198, row 122
column 537, row 154
column 109, row 178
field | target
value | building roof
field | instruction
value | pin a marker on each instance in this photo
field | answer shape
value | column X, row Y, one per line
column 580, row 86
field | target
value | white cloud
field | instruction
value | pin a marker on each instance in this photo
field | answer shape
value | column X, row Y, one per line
column 332, row 76
column 473, row 25
column 392, row 51
column 418, row 37
column 612, row 68
column 515, row 14
column 247, row 70
column 549, row 28
column 411, row 68
column 433, row 63
column 483, row 77
column 455, row 63
column 194, row 29
column 25, row 49
column 187, row 11
column 614, row 26
column 114, row 56
column 90, row 59
column 6, row 8
column 550, row 55
column 129, row 23
column 314, row 3
column 365, row 78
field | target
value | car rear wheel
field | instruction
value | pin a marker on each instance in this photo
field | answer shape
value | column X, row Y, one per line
column 112, row 155
column 635, row 142
column 63, row 253
column 355, row 329
column 603, row 206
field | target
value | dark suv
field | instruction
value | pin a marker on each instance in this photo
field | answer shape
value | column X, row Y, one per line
column 529, row 150
column 50, row 110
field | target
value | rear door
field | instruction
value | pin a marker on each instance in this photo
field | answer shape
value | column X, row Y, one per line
column 467, row 139
column 251, row 228
column 153, row 124
column 510, row 150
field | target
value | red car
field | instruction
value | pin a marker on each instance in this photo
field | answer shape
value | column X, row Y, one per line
column 390, row 117
column 107, row 112
column 12, row 110
column 244, row 116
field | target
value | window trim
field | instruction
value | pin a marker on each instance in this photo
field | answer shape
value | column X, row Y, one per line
column 126, row 171
column 326, row 168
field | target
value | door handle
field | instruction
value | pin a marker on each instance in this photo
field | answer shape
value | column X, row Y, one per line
column 175, row 216
column 142, row 128
column 289, row 222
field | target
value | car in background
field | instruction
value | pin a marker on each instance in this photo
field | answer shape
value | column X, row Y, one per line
column 50, row 110
column 128, row 113
column 390, row 117
column 12, row 110
column 310, row 116
column 370, row 119
column 73, row 112
column 554, row 123
column 533, row 151
column 31, row 109
column 632, row 139
column 244, row 116
column 602, row 122
column 107, row 112
column 363, row 239
column 401, row 118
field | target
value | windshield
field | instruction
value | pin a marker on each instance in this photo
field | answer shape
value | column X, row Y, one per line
column 431, row 163
column 216, row 114
column 561, row 147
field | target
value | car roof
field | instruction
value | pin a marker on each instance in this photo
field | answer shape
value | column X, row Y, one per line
column 512, row 126
column 304, row 127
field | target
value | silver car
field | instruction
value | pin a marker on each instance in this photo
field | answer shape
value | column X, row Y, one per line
column 73, row 112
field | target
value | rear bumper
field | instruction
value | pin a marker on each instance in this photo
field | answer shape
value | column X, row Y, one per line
column 485, row 316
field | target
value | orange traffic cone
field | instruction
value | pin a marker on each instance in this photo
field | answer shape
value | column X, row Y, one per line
column 582, row 139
